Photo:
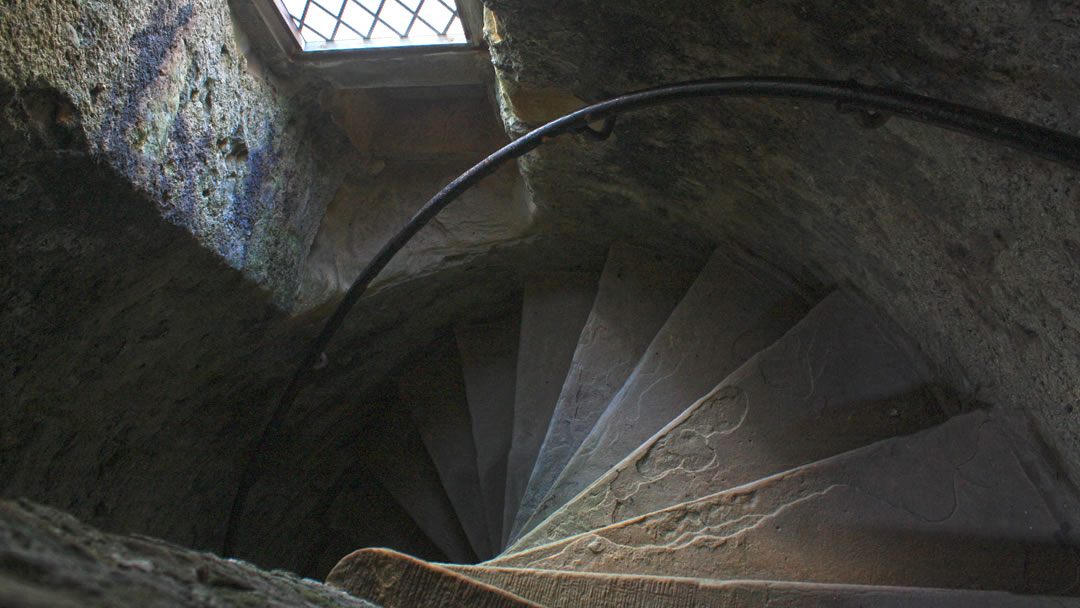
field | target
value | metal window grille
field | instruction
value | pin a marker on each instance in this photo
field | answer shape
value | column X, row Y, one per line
column 375, row 23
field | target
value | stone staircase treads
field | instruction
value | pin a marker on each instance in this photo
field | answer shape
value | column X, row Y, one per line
column 732, row 310
column 396, row 580
column 555, row 307
column 836, row 381
column 948, row 507
column 357, row 496
column 638, row 290
column 489, row 363
column 435, row 393
column 602, row 590
column 394, row 454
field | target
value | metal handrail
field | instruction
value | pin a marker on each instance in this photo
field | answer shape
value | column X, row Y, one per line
column 872, row 106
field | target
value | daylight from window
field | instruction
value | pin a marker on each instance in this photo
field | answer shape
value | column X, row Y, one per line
column 348, row 24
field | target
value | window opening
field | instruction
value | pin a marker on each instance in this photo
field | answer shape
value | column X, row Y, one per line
column 352, row 24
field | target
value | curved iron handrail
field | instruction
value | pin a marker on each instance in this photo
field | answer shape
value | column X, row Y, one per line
column 872, row 105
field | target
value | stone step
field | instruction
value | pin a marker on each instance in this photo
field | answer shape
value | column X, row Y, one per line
column 602, row 590
column 394, row 454
column 357, row 511
column 637, row 292
column 432, row 388
column 836, row 381
column 396, row 580
column 489, row 363
column 732, row 310
column 555, row 307
column 951, row 507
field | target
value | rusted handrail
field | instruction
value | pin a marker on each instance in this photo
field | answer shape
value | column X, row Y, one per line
column 871, row 105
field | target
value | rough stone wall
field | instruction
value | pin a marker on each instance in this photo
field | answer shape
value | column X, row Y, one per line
column 136, row 367
column 162, row 92
column 972, row 247
column 410, row 143
column 49, row 559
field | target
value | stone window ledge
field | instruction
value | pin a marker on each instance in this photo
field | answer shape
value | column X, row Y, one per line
column 277, row 44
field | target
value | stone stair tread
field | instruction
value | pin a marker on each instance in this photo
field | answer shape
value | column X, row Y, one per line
column 489, row 365
column 747, row 307
column 836, row 381
column 433, row 388
column 394, row 454
column 638, row 290
column 561, row 588
column 555, row 307
column 954, row 506
column 395, row 580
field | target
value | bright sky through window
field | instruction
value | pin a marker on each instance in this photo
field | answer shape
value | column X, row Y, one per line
column 347, row 24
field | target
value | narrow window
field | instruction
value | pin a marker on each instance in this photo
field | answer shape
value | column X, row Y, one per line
column 360, row 24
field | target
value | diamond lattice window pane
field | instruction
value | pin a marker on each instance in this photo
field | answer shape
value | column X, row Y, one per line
column 397, row 17
column 332, row 6
column 436, row 16
column 320, row 21
column 310, row 35
column 382, row 35
column 357, row 20
column 337, row 24
column 456, row 30
column 295, row 8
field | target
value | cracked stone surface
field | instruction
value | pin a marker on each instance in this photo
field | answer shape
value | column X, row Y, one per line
column 971, row 247
column 839, row 380
column 951, row 506
column 49, row 559
column 489, row 366
column 432, row 388
column 395, row 580
column 601, row 590
column 731, row 311
column 555, row 307
column 638, row 290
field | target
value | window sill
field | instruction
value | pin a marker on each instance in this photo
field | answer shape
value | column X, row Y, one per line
column 403, row 66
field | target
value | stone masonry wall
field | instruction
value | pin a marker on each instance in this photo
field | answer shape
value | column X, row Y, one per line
column 163, row 93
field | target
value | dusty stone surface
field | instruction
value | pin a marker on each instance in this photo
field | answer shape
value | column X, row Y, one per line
column 49, row 559
column 162, row 93
column 561, row 588
column 839, row 380
column 432, row 388
column 136, row 370
column 407, row 146
column 489, row 369
column 638, row 290
column 554, row 309
column 731, row 311
column 971, row 247
column 395, row 580
column 952, row 507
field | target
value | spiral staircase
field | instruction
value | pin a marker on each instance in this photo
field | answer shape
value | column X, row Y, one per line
column 677, row 433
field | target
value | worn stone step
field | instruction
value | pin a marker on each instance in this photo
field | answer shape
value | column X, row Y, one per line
column 432, row 388
column 952, row 507
column 638, row 290
column 838, row 380
column 562, row 589
column 555, row 307
column 395, row 580
column 489, row 366
column 393, row 452
column 733, row 309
